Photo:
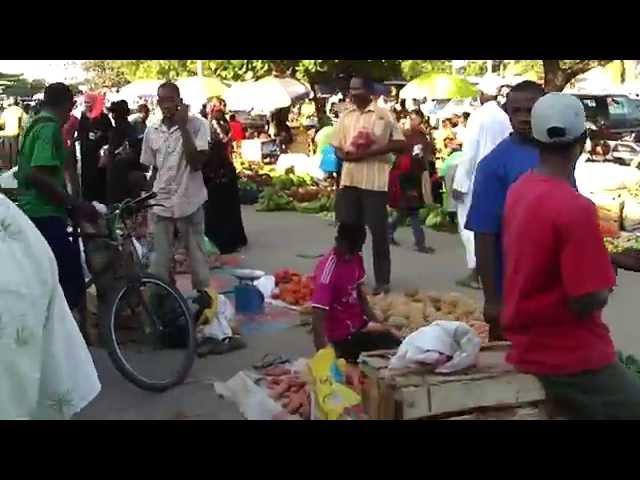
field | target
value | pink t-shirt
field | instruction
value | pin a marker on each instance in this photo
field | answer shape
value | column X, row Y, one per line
column 336, row 281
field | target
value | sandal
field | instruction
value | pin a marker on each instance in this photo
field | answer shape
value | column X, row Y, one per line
column 270, row 360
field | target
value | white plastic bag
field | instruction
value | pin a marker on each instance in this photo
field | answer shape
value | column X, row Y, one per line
column 266, row 285
column 455, row 339
column 220, row 327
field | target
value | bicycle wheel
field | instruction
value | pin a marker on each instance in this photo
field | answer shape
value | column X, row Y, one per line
column 149, row 334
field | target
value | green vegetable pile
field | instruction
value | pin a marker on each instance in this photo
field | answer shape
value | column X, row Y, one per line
column 272, row 200
column 322, row 204
column 630, row 362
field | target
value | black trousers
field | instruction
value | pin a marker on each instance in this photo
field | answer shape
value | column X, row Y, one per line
column 368, row 207
column 351, row 348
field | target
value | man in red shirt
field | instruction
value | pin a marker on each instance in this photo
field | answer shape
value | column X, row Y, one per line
column 342, row 315
column 558, row 276
column 237, row 130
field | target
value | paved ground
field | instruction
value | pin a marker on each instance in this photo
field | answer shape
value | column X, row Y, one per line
column 276, row 239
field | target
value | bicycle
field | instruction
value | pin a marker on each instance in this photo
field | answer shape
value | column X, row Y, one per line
column 127, row 299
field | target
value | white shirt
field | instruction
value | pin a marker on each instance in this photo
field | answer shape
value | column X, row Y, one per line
column 486, row 127
column 179, row 188
column 46, row 370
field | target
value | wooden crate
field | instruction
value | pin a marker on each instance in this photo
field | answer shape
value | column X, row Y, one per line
column 492, row 389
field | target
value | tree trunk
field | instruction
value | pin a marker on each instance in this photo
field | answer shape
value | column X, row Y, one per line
column 554, row 78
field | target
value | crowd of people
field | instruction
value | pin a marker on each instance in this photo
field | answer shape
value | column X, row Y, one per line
column 541, row 261
column 508, row 169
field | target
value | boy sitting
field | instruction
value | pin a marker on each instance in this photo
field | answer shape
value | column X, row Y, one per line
column 342, row 315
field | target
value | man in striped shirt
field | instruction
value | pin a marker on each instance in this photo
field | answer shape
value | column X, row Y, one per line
column 365, row 137
column 342, row 315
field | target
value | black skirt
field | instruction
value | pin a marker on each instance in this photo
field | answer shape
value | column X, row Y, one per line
column 223, row 214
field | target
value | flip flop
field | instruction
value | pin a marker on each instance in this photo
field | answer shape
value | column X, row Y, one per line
column 270, row 360
column 309, row 256
column 213, row 346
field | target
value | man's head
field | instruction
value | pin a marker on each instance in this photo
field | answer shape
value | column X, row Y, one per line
column 465, row 117
column 350, row 238
column 416, row 118
column 119, row 110
column 558, row 125
column 143, row 110
column 520, row 101
column 489, row 87
column 360, row 90
column 58, row 99
column 169, row 99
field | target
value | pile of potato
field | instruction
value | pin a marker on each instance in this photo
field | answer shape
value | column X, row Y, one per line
column 417, row 308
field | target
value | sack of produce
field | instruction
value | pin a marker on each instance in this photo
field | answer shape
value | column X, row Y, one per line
column 609, row 206
column 604, row 176
column 631, row 214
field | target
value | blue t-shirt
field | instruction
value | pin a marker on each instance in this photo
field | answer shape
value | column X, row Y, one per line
column 495, row 174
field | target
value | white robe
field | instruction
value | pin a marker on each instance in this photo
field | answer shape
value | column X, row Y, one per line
column 46, row 371
column 486, row 127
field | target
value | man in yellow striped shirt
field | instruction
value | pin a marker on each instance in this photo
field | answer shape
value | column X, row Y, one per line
column 365, row 138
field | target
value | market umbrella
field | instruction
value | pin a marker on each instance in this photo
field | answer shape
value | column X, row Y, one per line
column 438, row 86
column 198, row 90
column 139, row 88
column 266, row 95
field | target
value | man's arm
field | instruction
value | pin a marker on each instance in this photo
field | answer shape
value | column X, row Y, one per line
column 71, row 171
column 590, row 303
column 195, row 158
column 317, row 324
column 587, row 283
column 195, row 149
column 485, row 219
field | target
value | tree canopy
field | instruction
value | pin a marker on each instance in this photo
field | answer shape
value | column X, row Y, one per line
column 556, row 74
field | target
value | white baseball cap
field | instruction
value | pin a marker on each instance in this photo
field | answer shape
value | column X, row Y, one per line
column 490, row 85
column 558, row 118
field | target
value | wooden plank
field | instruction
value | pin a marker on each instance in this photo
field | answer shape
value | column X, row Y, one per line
column 510, row 389
column 527, row 412
column 415, row 402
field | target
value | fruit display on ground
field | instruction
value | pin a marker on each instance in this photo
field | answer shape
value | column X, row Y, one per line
column 293, row 288
column 409, row 311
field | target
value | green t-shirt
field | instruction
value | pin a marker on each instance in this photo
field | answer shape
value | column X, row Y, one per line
column 42, row 146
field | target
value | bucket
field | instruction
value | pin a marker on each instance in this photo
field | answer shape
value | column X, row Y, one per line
column 249, row 299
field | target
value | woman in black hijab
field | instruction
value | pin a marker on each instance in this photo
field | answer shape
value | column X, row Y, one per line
column 93, row 133
column 223, row 214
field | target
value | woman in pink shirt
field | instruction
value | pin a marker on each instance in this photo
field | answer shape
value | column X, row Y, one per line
column 342, row 315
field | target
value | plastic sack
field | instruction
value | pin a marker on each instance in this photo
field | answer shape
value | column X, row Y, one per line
column 330, row 398
column 266, row 285
column 329, row 162
column 605, row 176
column 215, row 322
column 455, row 339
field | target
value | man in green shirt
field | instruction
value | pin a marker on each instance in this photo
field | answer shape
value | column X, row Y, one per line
column 42, row 190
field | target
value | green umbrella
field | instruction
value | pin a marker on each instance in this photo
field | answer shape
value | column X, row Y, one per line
column 439, row 86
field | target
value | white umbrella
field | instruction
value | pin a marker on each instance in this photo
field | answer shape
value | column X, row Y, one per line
column 266, row 95
column 139, row 88
column 196, row 91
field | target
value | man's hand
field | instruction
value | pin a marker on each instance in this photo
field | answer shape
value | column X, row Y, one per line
column 458, row 196
column 354, row 156
column 492, row 313
column 181, row 116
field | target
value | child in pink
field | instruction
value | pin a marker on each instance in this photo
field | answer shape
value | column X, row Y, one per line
column 342, row 315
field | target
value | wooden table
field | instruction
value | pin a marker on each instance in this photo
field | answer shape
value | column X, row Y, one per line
column 490, row 390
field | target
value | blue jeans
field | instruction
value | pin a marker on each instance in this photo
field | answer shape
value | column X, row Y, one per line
column 414, row 219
